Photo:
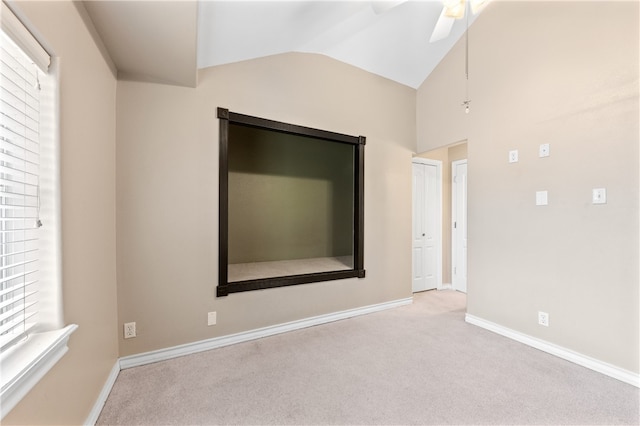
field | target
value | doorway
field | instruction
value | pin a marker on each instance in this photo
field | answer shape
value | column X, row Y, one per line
column 427, row 224
column 459, row 225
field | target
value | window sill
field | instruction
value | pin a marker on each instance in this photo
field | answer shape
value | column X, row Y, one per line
column 27, row 362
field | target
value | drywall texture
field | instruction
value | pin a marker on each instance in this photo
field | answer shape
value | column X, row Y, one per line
column 447, row 155
column 167, row 189
column 87, row 109
column 549, row 72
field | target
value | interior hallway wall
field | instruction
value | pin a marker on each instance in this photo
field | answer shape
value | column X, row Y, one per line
column 69, row 390
column 447, row 155
column 566, row 74
column 167, row 189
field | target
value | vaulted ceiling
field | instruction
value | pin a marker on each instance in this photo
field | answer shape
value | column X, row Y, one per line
column 167, row 41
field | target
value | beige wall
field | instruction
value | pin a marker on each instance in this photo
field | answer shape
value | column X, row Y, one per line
column 446, row 155
column 562, row 73
column 167, row 155
column 87, row 96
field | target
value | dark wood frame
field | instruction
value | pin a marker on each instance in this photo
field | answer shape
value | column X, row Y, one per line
column 225, row 287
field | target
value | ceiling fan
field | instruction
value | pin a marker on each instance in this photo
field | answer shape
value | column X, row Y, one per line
column 452, row 10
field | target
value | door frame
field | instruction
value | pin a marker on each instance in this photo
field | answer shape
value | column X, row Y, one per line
column 454, row 216
column 438, row 166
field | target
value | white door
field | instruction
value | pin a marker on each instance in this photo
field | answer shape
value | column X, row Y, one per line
column 426, row 226
column 459, row 224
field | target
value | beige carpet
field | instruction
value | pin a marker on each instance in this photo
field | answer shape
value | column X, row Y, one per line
column 418, row 364
column 283, row 268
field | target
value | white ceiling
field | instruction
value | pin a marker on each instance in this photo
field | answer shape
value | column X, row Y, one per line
column 393, row 44
column 167, row 41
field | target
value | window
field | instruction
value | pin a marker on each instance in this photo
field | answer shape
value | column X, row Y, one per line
column 32, row 338
column 291, row 204
column 19, row 194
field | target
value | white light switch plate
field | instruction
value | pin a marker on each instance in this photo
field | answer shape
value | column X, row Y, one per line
column 513, row 156
column 599, row 196
column 542, row 198
column 545, row 150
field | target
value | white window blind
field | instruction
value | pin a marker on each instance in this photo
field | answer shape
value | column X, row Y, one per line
column 33, row 337
column 19, row 192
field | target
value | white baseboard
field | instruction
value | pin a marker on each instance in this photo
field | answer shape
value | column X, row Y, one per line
column 567, row 354
column 104, row 394
column 445, row 286
column 218, row 342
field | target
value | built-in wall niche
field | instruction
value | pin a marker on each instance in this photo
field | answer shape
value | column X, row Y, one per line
column 291, row 204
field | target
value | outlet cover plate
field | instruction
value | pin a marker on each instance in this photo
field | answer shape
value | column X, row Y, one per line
column 129, row 330
column 543, row 318
column 513, row 156
column 212, row 318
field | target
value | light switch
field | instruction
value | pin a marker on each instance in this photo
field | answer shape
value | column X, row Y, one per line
column 599, row 196
column 544, row 150
column 513, row 156
column 542, row 198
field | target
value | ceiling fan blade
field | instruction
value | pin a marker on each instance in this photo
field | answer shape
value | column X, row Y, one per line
column 443, row 27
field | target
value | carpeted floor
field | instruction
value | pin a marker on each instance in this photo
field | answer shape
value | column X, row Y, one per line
column 417, row 364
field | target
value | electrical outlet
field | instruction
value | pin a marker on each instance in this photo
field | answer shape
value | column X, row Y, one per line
column 129, row 330
column 543, row 318
column 513, row 156
column 212, row 318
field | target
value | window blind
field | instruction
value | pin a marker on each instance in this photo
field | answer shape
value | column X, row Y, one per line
column 19, row 192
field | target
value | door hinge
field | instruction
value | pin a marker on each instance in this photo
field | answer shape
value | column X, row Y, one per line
column 455, row 270
column 455, row 225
